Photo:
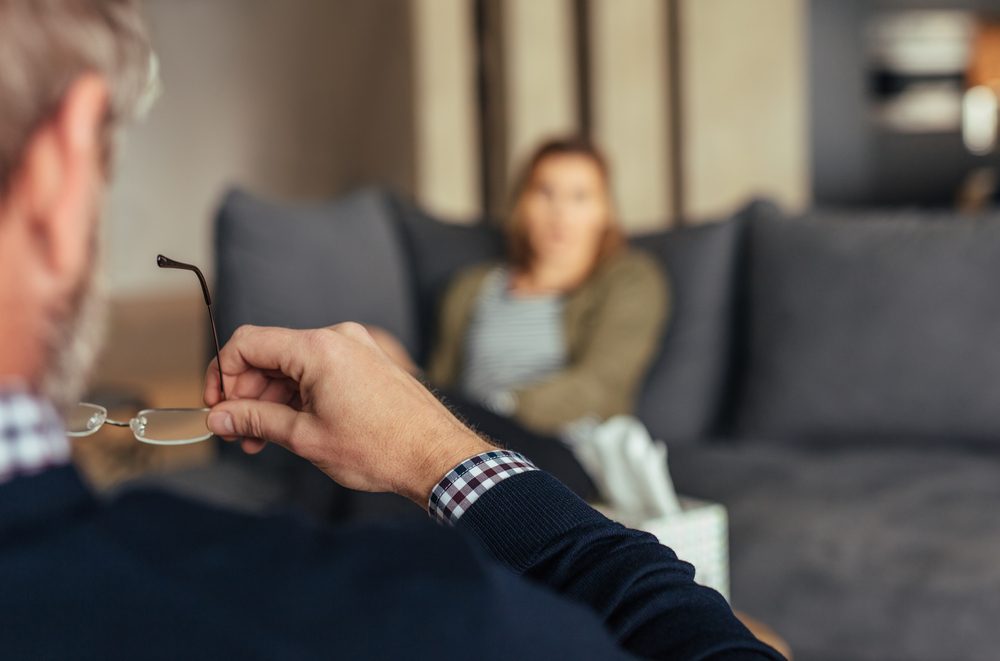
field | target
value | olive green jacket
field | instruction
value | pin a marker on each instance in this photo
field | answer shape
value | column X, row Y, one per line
column 612, row 326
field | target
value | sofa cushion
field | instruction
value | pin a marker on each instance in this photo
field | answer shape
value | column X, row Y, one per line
column 882, row 326
column 685, row 386
column 863, row 551
column 306, row 266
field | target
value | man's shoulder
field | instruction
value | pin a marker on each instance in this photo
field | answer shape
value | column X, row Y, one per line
column 144, row 513
column 383, row 590
column 148, row 549
column 180, row 575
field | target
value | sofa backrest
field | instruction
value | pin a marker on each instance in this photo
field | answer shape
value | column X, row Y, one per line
column 867, row 326
column 373, row 258
column 436, row 252
column 687, row 382
column 306, row 266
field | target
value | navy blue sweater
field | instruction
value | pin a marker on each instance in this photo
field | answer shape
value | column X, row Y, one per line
column 531, row 573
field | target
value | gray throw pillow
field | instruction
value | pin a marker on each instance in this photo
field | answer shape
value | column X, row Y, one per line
column 685, row 387
column 306, row 266
column 885, row 326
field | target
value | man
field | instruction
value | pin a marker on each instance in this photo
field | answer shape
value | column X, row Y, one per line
column 520, row 569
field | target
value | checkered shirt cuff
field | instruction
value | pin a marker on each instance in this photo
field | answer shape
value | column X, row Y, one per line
column 31, row 436
column 465, row 483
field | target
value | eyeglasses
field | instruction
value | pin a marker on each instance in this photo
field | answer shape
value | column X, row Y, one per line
column 155, row 426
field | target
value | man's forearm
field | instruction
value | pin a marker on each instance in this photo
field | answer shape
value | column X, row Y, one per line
column 646, row 597
column 337, row 400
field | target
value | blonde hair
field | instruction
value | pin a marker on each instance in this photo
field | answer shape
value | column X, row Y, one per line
column 46, row 44
column 519, row 251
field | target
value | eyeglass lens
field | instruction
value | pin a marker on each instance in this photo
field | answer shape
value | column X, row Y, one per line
column 171, row 426
column 85, row 419
column 154, row 426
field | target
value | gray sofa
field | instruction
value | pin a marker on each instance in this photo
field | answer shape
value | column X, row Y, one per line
column 834, row 380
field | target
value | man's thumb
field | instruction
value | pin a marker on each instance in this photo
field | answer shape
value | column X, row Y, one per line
column 251, row 418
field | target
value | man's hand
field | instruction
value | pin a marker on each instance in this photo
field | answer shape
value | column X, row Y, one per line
column 333, row 397
column 393, row 348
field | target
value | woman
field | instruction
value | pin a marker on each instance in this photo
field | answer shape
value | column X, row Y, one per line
column 565, row 327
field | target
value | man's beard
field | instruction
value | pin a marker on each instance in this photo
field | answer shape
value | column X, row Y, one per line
column 76, row 338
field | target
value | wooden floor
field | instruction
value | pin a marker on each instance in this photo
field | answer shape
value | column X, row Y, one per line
column 155, row 355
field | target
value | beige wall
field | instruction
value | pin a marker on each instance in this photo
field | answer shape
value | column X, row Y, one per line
column 741, row 94
column 540, row 75
column 629, row 90
column 447, row 144
column 743, row 100
column 293, row 98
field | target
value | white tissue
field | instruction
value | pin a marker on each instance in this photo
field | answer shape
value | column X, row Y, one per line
column 628, row 467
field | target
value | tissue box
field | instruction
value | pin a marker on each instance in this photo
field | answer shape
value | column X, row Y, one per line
column 699, row 534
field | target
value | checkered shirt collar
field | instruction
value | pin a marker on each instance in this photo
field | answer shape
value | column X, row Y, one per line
column 32, row 438
column 465, row 483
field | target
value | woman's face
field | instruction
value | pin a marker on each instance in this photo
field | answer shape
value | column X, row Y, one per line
column 565, row 209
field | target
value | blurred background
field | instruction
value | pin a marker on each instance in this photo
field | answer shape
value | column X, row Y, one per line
column 839, row 110
column 700, row 105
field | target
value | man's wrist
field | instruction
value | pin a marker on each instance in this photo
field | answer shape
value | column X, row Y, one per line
column 443, row 458
column 462, row 486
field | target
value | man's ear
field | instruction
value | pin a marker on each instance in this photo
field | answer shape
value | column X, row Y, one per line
column 59, row 184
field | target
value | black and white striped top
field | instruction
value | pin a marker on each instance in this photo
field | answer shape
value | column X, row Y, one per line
column 511, row 341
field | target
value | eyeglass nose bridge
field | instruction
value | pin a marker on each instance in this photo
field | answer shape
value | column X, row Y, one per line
column 136, row 424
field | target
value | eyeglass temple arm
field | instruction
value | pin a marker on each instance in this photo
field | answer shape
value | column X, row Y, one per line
column 167, row 263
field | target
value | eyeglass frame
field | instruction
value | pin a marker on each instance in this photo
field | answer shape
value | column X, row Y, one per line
column 135, row 425
column 165, row 263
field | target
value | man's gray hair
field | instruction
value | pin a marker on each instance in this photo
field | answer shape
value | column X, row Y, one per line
column 46, row 44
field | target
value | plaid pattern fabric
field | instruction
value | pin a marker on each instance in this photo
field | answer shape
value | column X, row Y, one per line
column 32, row 437
column 465, row 483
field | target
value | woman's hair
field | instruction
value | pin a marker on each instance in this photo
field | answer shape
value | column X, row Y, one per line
column 519, row 251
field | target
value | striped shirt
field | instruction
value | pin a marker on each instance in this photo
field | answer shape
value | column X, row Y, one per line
column 512, row 341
